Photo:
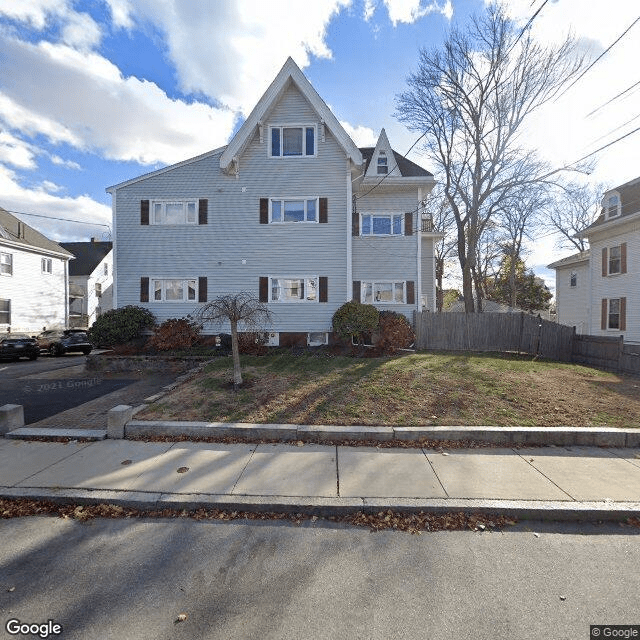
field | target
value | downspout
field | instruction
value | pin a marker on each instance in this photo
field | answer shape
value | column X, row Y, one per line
column 66, row 293
column 419, row 252
column 350, row 205
column 114, row 271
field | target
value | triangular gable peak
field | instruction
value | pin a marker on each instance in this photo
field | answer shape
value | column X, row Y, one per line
column 290, row 73
column 383, row 162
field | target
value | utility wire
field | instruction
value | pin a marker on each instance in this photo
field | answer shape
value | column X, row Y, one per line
column 616, row 129
column 599, row 57
column 635, row 84
column 626, row 135
column 40, row 215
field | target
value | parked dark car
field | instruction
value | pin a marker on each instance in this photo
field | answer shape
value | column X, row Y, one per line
column 15, row 347
column 60, row 341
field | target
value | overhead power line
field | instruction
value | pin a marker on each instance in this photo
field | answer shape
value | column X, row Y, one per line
column 635, row 84
column 604, row 53
column 40, row 215
column 626, row 135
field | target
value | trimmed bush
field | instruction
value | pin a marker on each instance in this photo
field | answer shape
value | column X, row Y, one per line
column 118, row 326
column 394, row 332
column 353, row 319
column 175, row 334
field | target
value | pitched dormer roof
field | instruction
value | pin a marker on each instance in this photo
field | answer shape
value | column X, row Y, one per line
column 290, row 73
column 406, row 168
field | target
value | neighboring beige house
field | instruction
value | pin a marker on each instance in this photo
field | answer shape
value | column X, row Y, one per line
column 90, row 281
column 34, row 279
column 609, row 303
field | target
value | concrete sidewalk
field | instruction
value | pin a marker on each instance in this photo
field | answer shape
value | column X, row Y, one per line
column 549, row 482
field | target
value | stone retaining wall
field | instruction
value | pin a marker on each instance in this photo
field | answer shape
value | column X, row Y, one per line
column 156, row 364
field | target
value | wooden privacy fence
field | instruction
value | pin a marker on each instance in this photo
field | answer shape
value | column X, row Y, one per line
column 607, row 353
column 516, row 332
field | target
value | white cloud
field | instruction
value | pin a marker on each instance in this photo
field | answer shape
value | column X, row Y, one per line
column 410, row 11
column 81, row 31
column 34, row 12
column 361, row 135
column 40, row 200
column 83, row 99
column 70, row 164
column 230, row 51
column 16, row 152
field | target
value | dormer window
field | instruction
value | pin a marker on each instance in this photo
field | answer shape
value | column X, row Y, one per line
column 383, row 167
column 294, row 141
column 612, row 206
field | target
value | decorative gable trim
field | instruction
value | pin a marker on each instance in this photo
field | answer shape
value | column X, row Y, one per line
column 383, row 151
column 290, row 72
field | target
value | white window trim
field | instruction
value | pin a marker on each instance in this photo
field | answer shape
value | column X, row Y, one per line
column 46, row 266
column 164, row 202
column 607, row 208
column 185, row 294
column 385, row 164
column 609, row 328
column 614, row 273
column 296, row 199
column 299, row 300
column 573, row 275
column 379, row 214
column 7, row 300
column 383, row 302
column 316, row 343
column 9, row 263
column 294, row 125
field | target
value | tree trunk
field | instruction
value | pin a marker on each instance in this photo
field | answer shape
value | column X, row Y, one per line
column 237, row 371
column 439, row 292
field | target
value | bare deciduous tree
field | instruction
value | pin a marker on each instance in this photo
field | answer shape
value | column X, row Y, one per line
column 242, row 308
column 470, row 99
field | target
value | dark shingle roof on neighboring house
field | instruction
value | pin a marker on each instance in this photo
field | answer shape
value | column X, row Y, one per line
column 14, row 230
column 582, row 256
column 88, row 256
column 629, row 202
column 407, row 168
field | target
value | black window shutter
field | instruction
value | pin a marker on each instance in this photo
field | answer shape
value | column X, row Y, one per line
column 356, row 291
column 144, row 212
column 355, row 223
column 202, row 289
column 323, row 218
column 144, row 289
column 603, row 314
column 203, row 211
column 408, row 224
column 323, row 289
column 264, row 289
column 264, row 210
column 411, row 292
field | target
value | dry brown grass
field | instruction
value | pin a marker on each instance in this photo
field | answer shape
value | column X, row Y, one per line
column 418, row 389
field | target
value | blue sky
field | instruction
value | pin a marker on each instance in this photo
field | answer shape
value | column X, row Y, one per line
column 96, row 92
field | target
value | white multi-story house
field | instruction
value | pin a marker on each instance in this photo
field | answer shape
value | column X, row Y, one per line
column 90, row 281
column 290, row 210
column 34, row 279
column 600, row 289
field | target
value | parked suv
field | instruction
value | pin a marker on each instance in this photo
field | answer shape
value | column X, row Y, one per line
column 60, row 341
column 15, row 347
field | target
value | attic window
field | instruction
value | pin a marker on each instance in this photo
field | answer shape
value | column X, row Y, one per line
column 383, row 167
column 573, row 281
column 613, row 205
column 6, row 264
column 292, row 141
column 47, row 265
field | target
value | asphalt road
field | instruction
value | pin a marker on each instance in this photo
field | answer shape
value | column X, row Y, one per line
column 132, row 578
column 49, row 395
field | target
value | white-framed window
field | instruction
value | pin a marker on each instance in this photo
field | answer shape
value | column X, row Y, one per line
column 383, row 292
column 613, row 316
column 175, row 289
column 381, row 224
column 46, row 265
column 573, row 279
column 171, row 212
column 383, row 167
column 615, row 260
column 293, row 289
column 292, row 210
column 5, row 311
column 612, row 205
column 317, row 338
column 106, row 269
column 291, row 141
column 6, row 264
column 98, row 289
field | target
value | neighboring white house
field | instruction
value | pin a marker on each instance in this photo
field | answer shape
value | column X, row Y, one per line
column 573, row 291
column 34, row 281
column 90, row 281
column 609, row 303
column 290, row 210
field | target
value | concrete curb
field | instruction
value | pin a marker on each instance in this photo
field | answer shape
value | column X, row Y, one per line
column 325, row 507
column 507, row 436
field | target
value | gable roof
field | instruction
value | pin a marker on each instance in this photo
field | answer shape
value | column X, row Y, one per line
column 576, row 258
column 14, row 231
column 88, row 256
column 629, row 193
column 290, row 73
column 407, row 168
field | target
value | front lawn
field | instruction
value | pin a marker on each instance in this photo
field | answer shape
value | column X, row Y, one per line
column 418, row 389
